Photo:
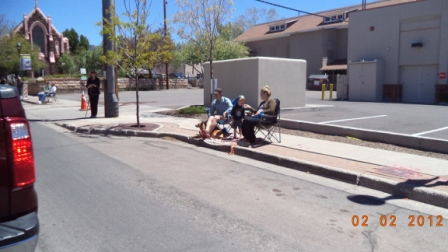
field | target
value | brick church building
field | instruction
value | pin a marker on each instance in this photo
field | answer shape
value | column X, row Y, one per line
column 38, row 29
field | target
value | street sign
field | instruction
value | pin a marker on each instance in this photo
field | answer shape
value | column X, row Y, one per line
column 25, row 62
column 442, row 75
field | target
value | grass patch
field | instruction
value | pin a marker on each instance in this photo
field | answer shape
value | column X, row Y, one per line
column 191, row 110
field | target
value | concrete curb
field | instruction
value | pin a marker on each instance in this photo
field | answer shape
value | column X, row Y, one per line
column 398, row 189
column 419, row 143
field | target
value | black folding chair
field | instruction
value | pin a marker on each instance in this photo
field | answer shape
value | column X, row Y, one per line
column 270, row 124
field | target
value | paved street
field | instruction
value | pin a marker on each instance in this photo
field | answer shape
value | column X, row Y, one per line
column 410, row 119
column 127, row 194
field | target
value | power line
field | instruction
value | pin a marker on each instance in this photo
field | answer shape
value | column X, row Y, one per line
column 299, row 11
column 288, row 8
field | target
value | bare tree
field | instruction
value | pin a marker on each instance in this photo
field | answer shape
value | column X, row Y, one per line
column 133, row 41
column 251, row 17
column 200, row 21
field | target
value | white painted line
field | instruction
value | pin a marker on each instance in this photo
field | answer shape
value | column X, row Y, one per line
column 359, row 118
column 431, row 131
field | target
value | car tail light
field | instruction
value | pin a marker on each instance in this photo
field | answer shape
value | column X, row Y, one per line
column 22, row 152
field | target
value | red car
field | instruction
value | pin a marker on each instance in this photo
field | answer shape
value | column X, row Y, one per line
column 19, row 224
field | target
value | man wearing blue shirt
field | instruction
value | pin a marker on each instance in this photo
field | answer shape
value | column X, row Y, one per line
column 222, row 106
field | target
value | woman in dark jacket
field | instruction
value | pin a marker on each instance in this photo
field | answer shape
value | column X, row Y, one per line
column 266, row 107
column 93, row 90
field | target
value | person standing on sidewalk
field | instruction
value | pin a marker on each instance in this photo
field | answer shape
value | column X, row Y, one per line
column 20, row 86
column 93, row 90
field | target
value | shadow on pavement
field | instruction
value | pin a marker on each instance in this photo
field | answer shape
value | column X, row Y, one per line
column 57, row 120
column 370, row 200
column 401, row 190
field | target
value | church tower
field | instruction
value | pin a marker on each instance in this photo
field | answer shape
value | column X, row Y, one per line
column 38, row 29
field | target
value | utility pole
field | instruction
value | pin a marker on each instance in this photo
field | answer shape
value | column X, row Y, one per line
column 164, row 35
column 110, row 98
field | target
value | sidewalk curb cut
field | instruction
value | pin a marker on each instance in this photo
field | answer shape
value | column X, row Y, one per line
column 398, row 189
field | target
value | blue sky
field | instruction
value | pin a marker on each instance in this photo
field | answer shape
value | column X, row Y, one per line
column 82, row 15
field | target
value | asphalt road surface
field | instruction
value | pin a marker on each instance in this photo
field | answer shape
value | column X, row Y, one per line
column 138, row 194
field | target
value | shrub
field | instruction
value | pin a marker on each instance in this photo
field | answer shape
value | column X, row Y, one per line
column 192, row 110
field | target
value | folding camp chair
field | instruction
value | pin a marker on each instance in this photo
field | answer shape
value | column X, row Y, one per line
column 51, row 96
column 223, row 125
column 269, row 124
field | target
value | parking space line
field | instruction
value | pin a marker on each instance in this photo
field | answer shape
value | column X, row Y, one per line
column 352, row 119
column 431, row 131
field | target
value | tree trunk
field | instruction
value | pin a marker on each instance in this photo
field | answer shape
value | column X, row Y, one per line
column 211, row 62
column 137, row 102
column 167, row 78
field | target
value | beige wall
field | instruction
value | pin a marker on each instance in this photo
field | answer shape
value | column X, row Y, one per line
column 315, row 45
column 308, row 46
column 190, row 71
column 286, row 78
column 342, row 43
column 311, row 46
column 395, row 29
column 278, row 47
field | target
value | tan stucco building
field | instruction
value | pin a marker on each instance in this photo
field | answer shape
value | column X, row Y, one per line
column 38, row 29
column 320, row 39
column 411, row 41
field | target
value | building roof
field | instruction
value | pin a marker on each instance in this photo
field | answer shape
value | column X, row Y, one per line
column 335, row 65
column 20, row 25
column 307, row 23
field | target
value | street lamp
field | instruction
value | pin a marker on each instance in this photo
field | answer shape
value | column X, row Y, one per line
column 19, row 48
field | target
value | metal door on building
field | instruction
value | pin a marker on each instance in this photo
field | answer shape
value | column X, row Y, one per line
column 419, row 83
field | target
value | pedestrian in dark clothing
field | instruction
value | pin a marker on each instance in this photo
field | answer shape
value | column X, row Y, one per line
column 93, row 90
column 20, row 86
column 2, row 81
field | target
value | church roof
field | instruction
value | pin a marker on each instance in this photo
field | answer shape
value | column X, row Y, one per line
column 34, row 11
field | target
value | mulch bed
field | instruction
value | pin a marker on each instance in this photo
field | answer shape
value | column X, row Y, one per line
column 133, row 126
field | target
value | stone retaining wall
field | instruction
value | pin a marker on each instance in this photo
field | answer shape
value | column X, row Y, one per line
column 75, row 85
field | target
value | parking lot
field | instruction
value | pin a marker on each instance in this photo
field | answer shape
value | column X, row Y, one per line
column 409, row 119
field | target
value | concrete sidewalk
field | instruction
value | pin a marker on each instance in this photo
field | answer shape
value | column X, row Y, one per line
column 409, row 176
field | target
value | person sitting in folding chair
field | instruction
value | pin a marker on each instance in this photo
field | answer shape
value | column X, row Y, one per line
column 222, row 106
column 43, row 95
column 266, row 107
column 238, row 115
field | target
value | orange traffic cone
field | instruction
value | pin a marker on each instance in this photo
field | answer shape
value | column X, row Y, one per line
column 83, row 102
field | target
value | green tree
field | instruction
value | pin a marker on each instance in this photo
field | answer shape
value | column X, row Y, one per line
column 194, row 53
column 83, row 43
column 200, row 21
column 68, row 63
column 9, row 57
column 73, row 38
column 164, row 48
column 133, row 42
column 229, row 49
column 91, row 60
